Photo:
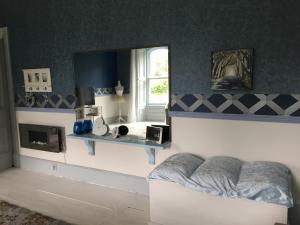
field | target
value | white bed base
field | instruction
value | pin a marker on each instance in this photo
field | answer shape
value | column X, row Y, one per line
column 172, row 204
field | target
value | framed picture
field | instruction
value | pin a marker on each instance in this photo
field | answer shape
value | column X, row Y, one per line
column 154, row 134
column 232, row 69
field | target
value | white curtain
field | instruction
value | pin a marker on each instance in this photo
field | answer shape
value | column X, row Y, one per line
column 137, row 92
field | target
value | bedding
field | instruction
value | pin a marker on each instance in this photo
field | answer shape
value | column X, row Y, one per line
column 218, row 176
column 267, row 182
column 228, row 177
column 177, row 168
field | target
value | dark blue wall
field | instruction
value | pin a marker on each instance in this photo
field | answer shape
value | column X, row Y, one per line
column 46, row 33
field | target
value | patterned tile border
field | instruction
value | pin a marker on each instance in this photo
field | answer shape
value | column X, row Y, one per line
column 48, row 101
column 251, row 104
column 104, row 91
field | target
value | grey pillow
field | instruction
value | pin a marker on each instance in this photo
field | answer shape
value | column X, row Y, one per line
column 218, row 176
column 177, row 168
column 267, row 182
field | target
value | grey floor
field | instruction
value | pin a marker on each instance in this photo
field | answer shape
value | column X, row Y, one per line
column 294, row 215
column 72, row 201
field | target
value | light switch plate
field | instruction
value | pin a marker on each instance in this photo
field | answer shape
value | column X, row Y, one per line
column 37, row 80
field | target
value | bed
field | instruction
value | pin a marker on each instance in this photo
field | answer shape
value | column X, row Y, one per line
column 183, row 191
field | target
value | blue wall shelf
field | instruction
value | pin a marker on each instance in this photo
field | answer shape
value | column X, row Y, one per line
column 150, row 147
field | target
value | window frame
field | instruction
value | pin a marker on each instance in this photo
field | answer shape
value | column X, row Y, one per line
column 148, row 78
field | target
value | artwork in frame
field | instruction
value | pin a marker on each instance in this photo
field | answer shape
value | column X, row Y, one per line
column 232, row 69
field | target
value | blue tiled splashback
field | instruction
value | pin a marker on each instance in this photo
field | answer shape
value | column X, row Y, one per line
column 255, row 104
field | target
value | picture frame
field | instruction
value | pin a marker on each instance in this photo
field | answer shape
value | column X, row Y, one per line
column 37, row 80
column 232, row 69
column 154, row 134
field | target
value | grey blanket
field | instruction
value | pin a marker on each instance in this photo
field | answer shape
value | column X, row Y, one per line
column 228, row 177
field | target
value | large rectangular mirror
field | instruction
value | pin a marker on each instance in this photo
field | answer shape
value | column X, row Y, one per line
column 142, row 72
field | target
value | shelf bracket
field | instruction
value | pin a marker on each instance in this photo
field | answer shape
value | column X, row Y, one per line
column 151, row 155
column 91, row 146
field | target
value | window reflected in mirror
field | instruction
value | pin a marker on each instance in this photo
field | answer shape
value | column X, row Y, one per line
column 157, row 76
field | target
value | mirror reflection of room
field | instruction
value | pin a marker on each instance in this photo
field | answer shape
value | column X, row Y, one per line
column 130, row 86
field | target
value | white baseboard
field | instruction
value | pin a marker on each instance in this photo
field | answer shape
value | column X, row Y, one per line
column 119, row 181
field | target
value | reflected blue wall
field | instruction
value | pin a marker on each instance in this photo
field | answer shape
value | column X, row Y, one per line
column 95, row 69
column 102, row 69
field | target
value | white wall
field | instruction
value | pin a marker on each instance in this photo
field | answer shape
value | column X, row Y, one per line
column 110, row 106
column 110, row 157
column 247, row 140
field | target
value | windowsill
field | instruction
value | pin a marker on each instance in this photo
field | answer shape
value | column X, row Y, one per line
column 155, row 113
